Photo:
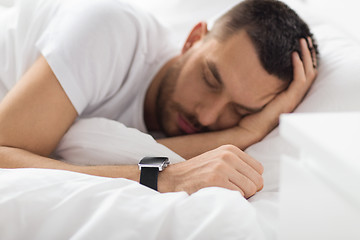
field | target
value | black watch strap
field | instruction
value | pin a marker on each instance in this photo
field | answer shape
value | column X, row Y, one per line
column 149, row 177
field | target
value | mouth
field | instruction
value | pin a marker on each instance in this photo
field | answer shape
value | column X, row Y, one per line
column 185, row 126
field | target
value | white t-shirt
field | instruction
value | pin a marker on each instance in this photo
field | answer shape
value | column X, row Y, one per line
column 103, row 52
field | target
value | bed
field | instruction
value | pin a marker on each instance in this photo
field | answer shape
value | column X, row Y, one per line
column 56, row 204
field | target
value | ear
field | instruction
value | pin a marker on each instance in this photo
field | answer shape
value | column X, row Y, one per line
column 196, row 34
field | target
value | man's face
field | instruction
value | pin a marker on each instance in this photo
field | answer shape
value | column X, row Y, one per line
column 213, row 86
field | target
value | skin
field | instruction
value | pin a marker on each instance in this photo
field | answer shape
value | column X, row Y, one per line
column 36, row 113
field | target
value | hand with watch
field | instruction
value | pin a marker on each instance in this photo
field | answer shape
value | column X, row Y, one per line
column 226, row 166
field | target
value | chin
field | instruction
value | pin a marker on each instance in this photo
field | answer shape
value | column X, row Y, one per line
column 174, row 132
column 169, row 120
column 170, row 130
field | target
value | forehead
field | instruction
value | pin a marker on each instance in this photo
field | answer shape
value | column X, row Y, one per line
column 244, row 78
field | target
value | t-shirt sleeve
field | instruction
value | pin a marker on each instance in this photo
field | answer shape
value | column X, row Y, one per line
column 89, row 45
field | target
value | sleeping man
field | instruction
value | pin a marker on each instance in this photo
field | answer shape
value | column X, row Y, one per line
column 223, row 91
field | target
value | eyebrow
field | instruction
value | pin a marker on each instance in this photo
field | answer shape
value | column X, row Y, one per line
column 214, row 70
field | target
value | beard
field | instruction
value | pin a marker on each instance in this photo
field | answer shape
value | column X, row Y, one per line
column 166, row 106
column 164, row 102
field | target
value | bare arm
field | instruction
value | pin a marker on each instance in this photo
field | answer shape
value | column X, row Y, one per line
column 189, row 146
column 19, row 158
column 254, row 127
column 36, row 113
column 34, row 116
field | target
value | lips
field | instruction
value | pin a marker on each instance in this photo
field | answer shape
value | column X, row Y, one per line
column 186, row 126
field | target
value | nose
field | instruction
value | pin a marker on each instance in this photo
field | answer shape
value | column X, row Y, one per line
column 208, row 112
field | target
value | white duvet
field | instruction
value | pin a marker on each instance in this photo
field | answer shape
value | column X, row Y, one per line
column 55, row 204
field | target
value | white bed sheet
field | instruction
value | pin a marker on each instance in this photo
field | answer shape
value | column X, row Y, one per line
column 55, row 204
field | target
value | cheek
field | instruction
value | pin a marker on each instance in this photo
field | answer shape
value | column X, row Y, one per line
column 188, row 89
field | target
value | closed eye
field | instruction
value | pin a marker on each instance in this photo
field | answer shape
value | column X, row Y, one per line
column 240, row 112
column 207, row 82
column 244, row 111
column 209, row 79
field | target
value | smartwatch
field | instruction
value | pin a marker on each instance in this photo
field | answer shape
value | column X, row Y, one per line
column 150, row 168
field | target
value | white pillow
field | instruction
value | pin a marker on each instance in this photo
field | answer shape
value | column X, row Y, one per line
column 100, row 141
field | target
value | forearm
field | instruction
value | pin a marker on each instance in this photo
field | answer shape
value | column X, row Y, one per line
column 18, row 158
column 214, row 168
column 189, row 146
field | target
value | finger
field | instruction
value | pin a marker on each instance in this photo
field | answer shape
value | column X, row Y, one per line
column 228, row 178
column 237, row 165
column 307, row 59
column 299, row 73
column 231, row 186
column 313, row 52
column 245, row 170
column 256, row 165
column 299, row 85
column 306, row 56
column 245, row 184
column 239, row 182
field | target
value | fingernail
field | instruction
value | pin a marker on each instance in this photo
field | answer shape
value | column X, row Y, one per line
column 304, row 42
column 296, row 54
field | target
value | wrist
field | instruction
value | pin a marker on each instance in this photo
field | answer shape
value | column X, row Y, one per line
column 130, row 172
column 150, row 168
column 164, row 180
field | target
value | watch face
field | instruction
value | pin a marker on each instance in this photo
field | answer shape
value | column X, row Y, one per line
column 158, row 162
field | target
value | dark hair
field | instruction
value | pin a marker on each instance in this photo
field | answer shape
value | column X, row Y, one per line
column 273, row 27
